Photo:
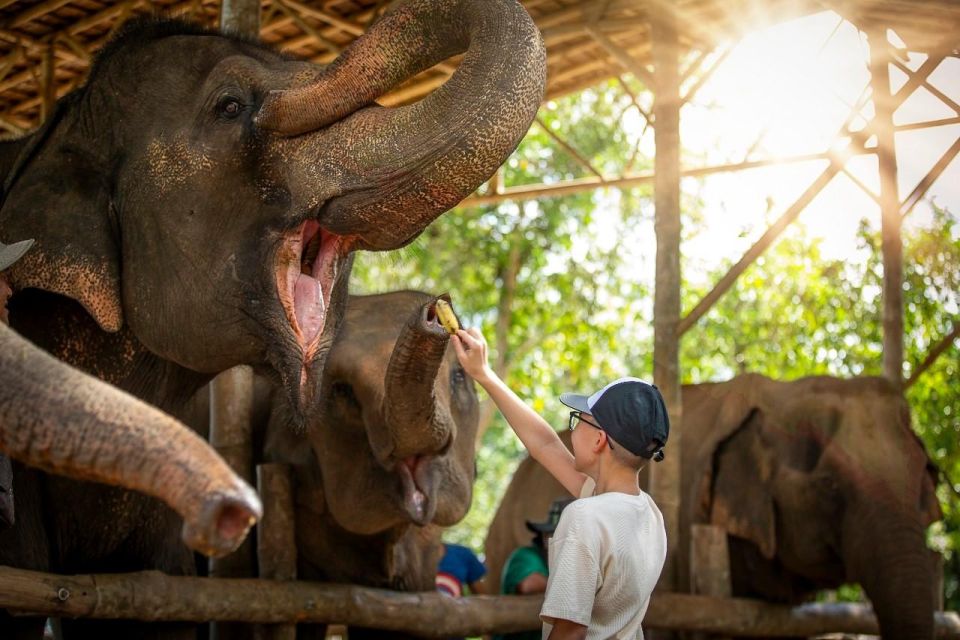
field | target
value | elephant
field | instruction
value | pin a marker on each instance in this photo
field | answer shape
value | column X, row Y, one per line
column 389, row 460
column 183, row 226
column 817, row 482
column 39, row 394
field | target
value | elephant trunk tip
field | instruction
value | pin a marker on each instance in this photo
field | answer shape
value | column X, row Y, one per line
column 223, row 523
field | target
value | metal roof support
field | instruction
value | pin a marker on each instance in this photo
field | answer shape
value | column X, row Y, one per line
column 665, row 476
column 891, row 220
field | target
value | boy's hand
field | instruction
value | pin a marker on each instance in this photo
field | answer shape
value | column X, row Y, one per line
column 471, row 351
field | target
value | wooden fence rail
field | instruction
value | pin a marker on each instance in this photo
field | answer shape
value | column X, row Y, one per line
column 152, row 595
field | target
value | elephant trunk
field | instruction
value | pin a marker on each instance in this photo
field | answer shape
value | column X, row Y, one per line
column 886, row 553
column 410, row 164
column 416, row 424
column 62, row 421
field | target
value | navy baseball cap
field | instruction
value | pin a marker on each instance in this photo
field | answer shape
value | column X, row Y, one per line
column 10, row 253
column 631, row 411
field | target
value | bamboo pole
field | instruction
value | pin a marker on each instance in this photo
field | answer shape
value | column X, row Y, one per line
column 153, row 596
column 927, row 181
column 891, row 220
column 665, row 476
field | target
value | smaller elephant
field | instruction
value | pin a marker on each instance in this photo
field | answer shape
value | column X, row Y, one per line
column 817, row 482
column 391, row 455
column 45, row 402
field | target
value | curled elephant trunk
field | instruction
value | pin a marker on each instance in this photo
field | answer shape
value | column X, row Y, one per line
column 416, row 424
column 410, row 164
column 59, row 420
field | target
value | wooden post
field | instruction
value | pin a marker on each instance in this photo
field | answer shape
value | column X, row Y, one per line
column 231, row 393
column 892, row 243
column 48, row 84
column 276, row 537
column 709, row 563
column 665, row 475
column 231, row 407
column 240, row 17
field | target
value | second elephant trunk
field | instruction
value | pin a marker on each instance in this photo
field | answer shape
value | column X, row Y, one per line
column 416, row 423
column 886, row 553
column 62, row 421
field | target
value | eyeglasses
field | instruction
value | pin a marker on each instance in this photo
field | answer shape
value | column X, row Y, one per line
column 576, row 417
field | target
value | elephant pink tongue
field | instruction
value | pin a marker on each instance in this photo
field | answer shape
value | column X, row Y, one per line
column 310, row 309
column 414, row 500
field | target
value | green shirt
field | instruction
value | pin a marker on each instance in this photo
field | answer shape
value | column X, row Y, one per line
column 521, row 563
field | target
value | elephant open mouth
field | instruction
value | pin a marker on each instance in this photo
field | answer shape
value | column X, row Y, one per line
column 419, row 489
column 308, row 264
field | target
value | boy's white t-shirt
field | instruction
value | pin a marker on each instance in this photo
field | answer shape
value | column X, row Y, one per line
column 605, row 559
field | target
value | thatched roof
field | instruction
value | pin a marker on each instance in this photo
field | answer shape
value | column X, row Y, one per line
column 583, row 38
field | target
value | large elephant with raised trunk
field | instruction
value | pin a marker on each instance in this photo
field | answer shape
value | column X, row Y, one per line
column 817, row 482
column 389, row 458
column 196, row 204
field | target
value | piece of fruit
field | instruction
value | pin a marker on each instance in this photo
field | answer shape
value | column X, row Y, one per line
column 446, row 316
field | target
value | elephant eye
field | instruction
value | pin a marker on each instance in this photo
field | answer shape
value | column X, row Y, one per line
column 229, row 107
column 343, row 392
column 457, row 377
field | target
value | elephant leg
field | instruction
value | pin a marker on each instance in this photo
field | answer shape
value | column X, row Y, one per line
column 19, row 628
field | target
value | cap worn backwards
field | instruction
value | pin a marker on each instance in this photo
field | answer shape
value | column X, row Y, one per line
column 631, row 411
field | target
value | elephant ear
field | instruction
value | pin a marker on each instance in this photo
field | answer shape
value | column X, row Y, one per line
column 58, row 193
column 742, row 501
column 734, row 490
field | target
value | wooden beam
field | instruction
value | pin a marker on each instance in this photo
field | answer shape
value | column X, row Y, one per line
column 151, row 596
column 702, row 79
column 566, row 146
column 665, row 475
column 48, row 84
column 35, row 11
column 927, row 181
column 622, row 56
column 320, row 39
column 567, row 187
column 935, row 352
column 891, row 220
column 858, row 142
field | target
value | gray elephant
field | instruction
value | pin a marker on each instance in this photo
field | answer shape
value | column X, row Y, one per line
column 40, row 396
column 390, row 459
column 817, row 482
column 186, row 222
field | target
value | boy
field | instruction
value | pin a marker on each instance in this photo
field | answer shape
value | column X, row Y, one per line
column 609, row 547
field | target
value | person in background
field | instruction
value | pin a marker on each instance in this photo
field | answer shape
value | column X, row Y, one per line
column 526, row 569
column 460, row 568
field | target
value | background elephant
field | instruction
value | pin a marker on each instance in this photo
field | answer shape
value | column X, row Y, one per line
column 176, row 237
column 390, row 459
column 818, row 482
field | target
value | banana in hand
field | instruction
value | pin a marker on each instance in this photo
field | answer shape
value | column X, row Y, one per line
column 446, row 316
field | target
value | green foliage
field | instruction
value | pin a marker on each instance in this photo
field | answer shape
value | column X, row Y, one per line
column 581, row 312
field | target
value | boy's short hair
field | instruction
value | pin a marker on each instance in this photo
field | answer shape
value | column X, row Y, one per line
column 632, row 413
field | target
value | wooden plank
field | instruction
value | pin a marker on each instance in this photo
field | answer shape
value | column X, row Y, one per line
column 151, row 595
column 665, row 475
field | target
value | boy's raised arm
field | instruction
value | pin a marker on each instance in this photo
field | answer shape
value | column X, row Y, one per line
column 537, row 436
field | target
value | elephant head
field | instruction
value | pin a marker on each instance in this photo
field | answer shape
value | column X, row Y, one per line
column 395, row 433
column 818, row 482
column 47, row 409
column 388, row 459
column 176, row 192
